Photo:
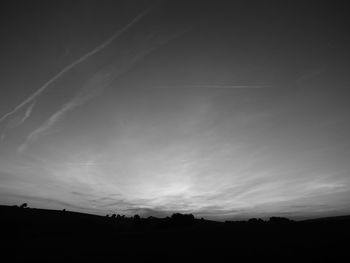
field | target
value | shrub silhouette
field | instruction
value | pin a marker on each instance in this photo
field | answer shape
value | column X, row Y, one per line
column 182, row 219
column 255, row 220
column 279, row 220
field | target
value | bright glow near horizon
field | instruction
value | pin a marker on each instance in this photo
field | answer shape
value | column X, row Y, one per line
column 182, row 117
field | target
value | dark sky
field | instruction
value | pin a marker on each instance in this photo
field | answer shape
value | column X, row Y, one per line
column 221, row 109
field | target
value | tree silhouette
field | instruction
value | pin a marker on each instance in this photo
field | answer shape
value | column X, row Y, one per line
column 182, row 219
column 255, row 220
column 24, row 205
column 279, row 220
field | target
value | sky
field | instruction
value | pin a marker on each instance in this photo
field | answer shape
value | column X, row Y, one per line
column 223, row 110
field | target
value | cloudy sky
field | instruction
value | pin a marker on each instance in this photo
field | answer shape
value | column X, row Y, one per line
column 154, row 107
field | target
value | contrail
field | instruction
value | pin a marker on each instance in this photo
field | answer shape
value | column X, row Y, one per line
column 95, row 86
column 228, row 86
column 215, row 86
column 27, row 113
column 76, row 62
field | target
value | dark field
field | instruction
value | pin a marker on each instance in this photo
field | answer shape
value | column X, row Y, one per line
column 37, row 235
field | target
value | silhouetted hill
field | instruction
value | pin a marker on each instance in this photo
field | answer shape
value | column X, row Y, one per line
column 332, row 218
column 39, row 235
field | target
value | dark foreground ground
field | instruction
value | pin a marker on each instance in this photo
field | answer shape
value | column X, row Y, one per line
column 36, row 235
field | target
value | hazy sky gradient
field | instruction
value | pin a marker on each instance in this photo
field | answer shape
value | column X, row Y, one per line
column 154, row 107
